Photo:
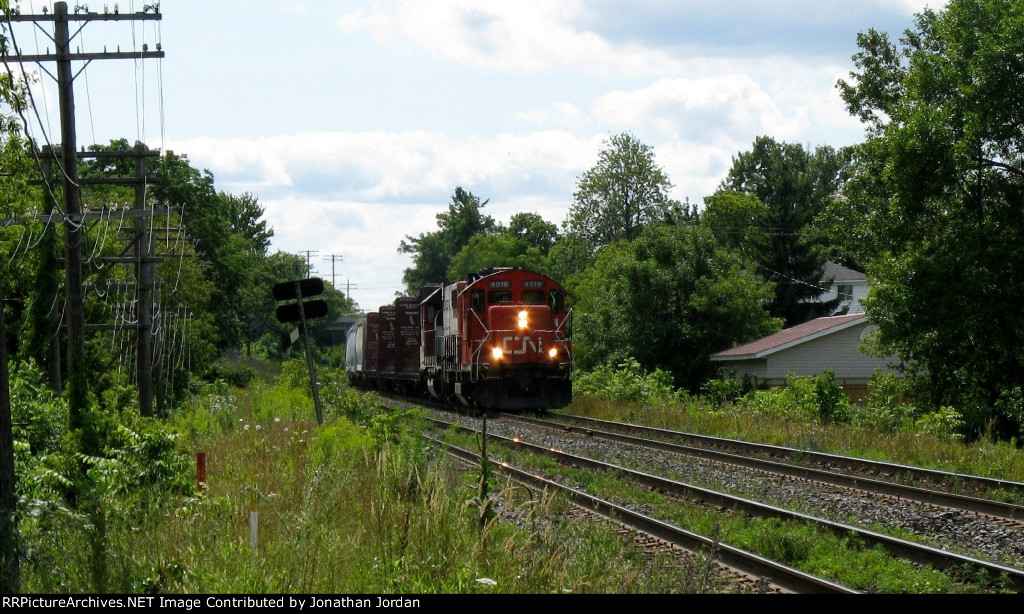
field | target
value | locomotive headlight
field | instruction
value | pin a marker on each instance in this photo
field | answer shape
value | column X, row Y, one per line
column 553, row 352
column 522, row 319
column 497, row 353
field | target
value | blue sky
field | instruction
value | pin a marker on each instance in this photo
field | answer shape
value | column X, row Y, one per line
column 353, row 122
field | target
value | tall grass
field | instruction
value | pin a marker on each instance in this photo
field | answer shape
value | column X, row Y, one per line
column 357, row 505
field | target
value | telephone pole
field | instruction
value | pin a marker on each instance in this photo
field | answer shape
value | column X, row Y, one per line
column 309, row 267
column 333, row 258
column 74, row 221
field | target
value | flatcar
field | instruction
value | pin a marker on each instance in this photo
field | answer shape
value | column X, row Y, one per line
column 499, row 339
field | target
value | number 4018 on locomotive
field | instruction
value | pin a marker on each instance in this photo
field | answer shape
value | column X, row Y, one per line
column 498, row 340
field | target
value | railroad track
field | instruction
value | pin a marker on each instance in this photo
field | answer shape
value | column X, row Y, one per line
column 1012, row 577
column 754, row 456
column 744, row 566
column 973, row 485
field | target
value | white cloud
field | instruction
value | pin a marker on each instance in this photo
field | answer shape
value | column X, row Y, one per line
column 729, row 106
column 379, row 166
column 528, row 35
column 360, row 194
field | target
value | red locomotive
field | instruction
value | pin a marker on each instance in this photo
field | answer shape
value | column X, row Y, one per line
column 495, row 340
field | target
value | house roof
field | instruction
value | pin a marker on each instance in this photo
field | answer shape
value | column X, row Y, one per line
column 789, row 337
column 838, row 273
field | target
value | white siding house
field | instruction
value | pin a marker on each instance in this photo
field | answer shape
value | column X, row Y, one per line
column 851, row 286
column 808, row 349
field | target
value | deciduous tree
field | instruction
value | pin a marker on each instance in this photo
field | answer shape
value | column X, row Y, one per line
column 622, row 193
column 669, row 299
column 796, row 186
column 937, row 197
column 433, row 252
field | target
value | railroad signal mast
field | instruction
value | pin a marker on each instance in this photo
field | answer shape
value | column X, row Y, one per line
column 73, row 215
column 299, row 311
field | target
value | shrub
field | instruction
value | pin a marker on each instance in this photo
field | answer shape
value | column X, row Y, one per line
column 238, row 375
column 721, row 391
column 887, row 411
column 337, row 440
column 1010, row 406
column 804, row 398
column 627, row 381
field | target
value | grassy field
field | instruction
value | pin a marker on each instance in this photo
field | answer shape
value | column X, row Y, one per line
column 347, row 507
column 362, row 505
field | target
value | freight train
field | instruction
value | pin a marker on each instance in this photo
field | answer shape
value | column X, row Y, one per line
column 498, row 340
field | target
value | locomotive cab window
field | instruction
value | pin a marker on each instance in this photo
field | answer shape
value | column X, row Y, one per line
column 533, row 297
column 495, row 297
column 476, row 299
column 432, row 313
column 556, row 300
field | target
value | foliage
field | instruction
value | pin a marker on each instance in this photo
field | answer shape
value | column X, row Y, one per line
column 69, row 494
column 889, row 410
column 238, row 375
column 802, row 399
column 626, row 381
column 935, row 193
column 336, row 439
column 722, row 391
column 210, row 410
column 669, row 299
column 739, row 221
column 433, row 252
column 525, row 243
column 623, row 192
column 795, row 185
column 39, row 417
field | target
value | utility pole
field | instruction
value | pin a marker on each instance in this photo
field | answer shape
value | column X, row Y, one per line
column 73, row 220
column 145, row 273
column 333, row 258
column 309, row 267
column 9, row 546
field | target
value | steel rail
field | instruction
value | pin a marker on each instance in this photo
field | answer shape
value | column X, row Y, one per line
column 900, row 548
column 946, row 499
column 849, row 462
column 785, row 577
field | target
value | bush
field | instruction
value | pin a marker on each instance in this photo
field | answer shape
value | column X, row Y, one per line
column 337, row 440
column 39, row 417
column 1010, row 406
column 804, row 398
column 721, row 391
column 887, row 411
column 627, row 381
column 238, row 375
column 294, row 374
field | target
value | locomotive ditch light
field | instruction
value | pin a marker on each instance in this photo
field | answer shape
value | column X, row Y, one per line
column 497, row 353
column 522, row 319
column 553, row 352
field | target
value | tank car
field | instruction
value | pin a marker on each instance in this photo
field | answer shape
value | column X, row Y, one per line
column 499, row 339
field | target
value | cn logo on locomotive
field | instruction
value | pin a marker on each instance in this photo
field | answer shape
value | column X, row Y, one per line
column 526, row 340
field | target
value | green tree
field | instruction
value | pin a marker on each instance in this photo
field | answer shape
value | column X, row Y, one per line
column 230, row 238
column 432, row 252
column 622, row 193
column 524, row 243
column 937, row 195
column 796, row 186
column 532, row 230
column 669, row 299
column 739, row 221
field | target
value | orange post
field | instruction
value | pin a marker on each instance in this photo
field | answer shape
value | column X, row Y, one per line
column 201, row 470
